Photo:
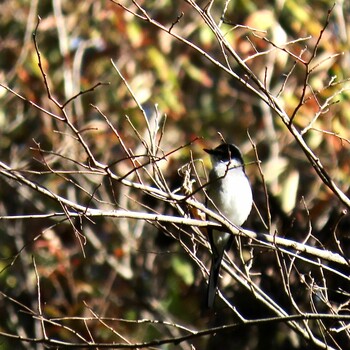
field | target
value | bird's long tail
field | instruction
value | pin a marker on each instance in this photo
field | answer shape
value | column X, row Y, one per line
column 214, row 277
column 219, row 244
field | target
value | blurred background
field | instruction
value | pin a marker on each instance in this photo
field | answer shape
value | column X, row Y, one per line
column 129, row 269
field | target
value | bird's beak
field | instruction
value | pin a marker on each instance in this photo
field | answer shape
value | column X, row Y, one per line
column 209, row 151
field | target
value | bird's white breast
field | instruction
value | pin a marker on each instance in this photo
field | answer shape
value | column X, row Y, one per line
column 230, row 192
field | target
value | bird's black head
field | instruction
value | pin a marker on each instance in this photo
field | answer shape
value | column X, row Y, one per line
column 226, row 152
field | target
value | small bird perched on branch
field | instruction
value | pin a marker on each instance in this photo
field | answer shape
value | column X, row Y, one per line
column 229, row 194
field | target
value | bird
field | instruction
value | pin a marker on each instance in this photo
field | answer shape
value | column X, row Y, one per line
column 229, row 194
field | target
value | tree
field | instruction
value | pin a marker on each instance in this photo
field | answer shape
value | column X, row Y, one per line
column 105, row 111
